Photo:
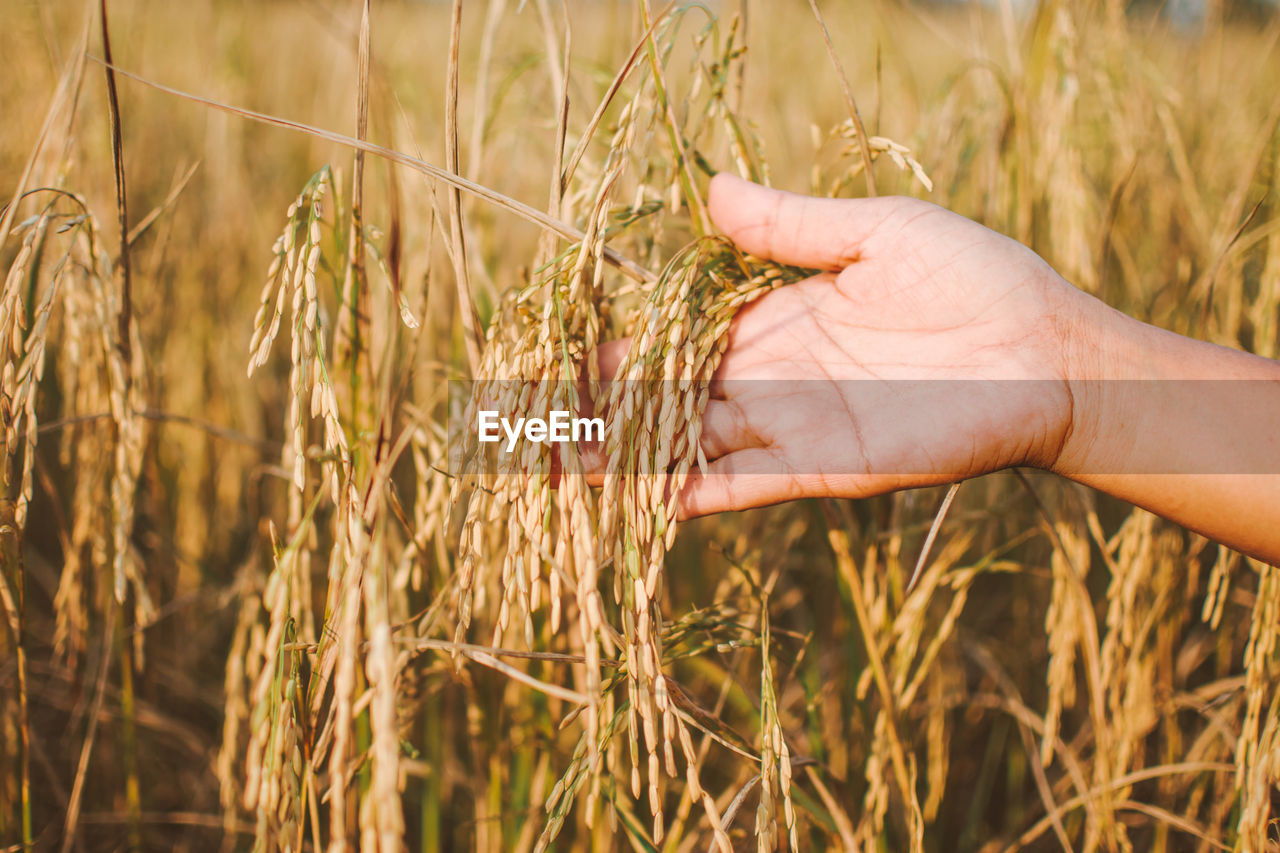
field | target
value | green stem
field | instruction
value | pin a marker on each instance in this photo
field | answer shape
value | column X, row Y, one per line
column 129, row 737
column 433, row 748
column 701, row 223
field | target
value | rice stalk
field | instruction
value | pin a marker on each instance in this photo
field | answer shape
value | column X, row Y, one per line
column 611, row 674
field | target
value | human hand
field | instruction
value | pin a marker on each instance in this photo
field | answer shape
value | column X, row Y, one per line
column 892, row 368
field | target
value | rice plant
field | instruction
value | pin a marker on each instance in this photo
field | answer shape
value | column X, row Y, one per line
column 260, row 592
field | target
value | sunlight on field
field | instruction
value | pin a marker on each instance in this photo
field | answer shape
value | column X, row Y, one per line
column 257, row 609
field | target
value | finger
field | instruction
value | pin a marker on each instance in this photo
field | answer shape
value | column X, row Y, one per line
column 756, row 477
column 824, row 233
column 609, row 356
column 742, row 480
column 589, row 462
column 725, row 430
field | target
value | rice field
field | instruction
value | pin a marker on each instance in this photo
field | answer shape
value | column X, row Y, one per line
column 253, row 601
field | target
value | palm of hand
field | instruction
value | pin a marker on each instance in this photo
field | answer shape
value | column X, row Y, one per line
column 929, row 355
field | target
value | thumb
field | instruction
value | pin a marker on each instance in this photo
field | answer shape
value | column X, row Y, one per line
column 823, row 233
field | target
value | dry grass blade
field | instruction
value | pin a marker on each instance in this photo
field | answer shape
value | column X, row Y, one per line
column 136, row 232
column 462, row 276
column 353, row 313
column 933, row 533
column 122, row 205
column 614, row 86
column 1125, row 781
column 511, row 672
column 122, row 376
column 521, row 209
column 492, row 18
column 71, row 826
column 843, row 825
column 850, row 103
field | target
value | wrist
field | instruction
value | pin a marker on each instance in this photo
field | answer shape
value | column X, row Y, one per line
column 1146, row 400
column 1101, row 349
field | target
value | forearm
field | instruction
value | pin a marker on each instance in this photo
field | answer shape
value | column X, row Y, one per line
column 1186, row 429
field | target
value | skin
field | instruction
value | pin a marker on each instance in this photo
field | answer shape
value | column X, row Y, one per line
column 911, row 291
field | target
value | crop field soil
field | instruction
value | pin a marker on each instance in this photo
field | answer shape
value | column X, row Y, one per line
column 252, row 601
